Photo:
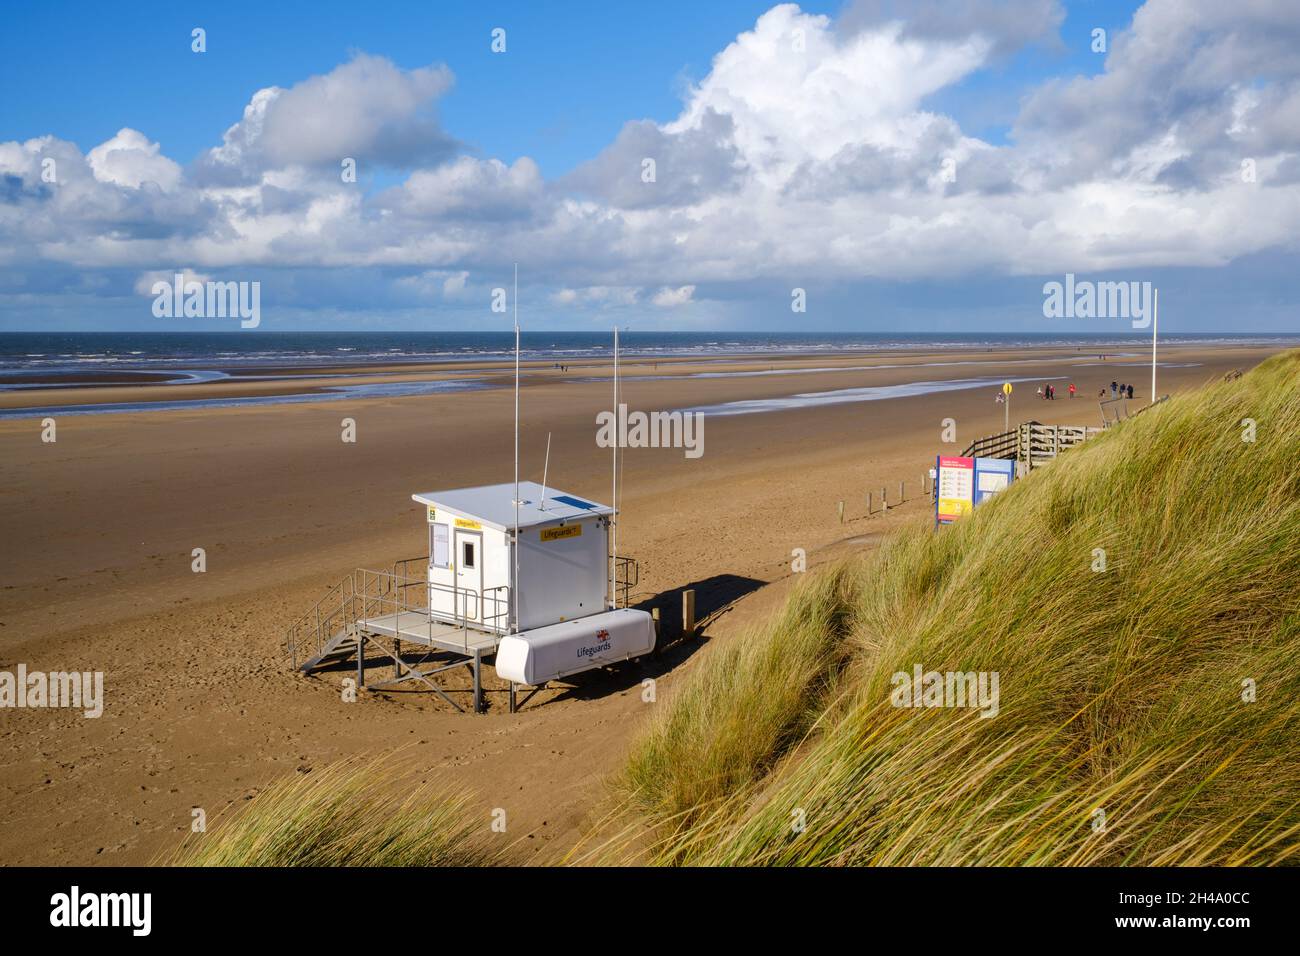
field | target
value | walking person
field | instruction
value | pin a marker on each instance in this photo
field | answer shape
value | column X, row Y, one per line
column 1130, row 391
column 1114, row 387
column 1072, row 390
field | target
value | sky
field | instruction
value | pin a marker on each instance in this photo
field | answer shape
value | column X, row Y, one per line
column 886, row 165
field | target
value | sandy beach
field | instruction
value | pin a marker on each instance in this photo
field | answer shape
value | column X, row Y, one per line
column 201, row 709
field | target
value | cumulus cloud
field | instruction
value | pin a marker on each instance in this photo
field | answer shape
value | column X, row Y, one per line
column 130, row 159
column 672, row 298
column 367, row 109
column 647, row 166
column 1006, row 25
column 467, row 188
column 1191, row 89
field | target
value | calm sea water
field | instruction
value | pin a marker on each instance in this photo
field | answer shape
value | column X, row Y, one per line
column 45, row 352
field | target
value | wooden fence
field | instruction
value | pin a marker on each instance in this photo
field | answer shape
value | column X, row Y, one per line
column 1032, row 442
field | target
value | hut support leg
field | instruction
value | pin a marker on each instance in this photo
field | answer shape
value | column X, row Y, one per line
column 512, row 697
column 478, row 684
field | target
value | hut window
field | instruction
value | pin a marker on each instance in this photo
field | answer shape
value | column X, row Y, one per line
column 438, row 549
column 468, row 548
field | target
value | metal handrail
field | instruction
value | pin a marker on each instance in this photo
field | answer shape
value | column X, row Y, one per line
column 467, row 603
column 627, row 575
column 344, row 591
column 497, row 602
column 367, row 594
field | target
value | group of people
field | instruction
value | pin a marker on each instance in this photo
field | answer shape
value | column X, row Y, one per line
column 1048, row 391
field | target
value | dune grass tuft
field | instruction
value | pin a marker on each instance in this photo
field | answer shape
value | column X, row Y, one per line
column 1147, row 712
column 752, row 701
column 351, row 813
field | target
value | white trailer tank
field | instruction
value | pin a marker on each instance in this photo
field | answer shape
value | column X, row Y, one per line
column 557, row 650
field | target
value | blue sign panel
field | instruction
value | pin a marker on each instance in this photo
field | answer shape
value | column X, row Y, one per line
column 992, row 475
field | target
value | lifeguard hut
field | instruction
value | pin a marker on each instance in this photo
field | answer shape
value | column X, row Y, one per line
column 528, row 582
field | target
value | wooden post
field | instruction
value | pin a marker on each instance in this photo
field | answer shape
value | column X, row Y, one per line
column 884, row 502
column 868, row 502
column 902, row 496
column 840, row 508
column 654, row 616
column 688, row 613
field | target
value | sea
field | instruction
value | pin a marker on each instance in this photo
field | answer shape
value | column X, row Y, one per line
column 44, row 362
column 45, row 352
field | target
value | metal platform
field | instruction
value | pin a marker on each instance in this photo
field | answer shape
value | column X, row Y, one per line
column 416, row 627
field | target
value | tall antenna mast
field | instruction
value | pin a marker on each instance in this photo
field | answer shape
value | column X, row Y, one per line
column 514, row 590
column 613, row 519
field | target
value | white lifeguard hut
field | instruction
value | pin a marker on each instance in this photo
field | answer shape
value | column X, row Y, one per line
column 536, row 595
column 563, row 556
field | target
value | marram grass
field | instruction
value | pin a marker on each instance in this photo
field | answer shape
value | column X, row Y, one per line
column 351, row 813
column 1149, row 713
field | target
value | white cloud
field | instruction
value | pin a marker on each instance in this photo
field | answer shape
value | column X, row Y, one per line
column 598, row 296
column 672, row 298
column 467, row 188
column 130, row 159
column 144, row 285
column 454, row 285
column 367, row 109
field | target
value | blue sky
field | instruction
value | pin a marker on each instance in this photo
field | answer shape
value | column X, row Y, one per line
column 826, row 175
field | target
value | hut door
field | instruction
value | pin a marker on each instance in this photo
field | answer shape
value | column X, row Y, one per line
column 469, row 574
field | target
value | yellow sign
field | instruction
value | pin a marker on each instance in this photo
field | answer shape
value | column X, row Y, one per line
column 955, row 507
column 433, row 514
column 1006, row 388
column 466, row 523
column 568, row 531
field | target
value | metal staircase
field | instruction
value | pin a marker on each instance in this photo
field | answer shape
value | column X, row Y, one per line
column 383, row 609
